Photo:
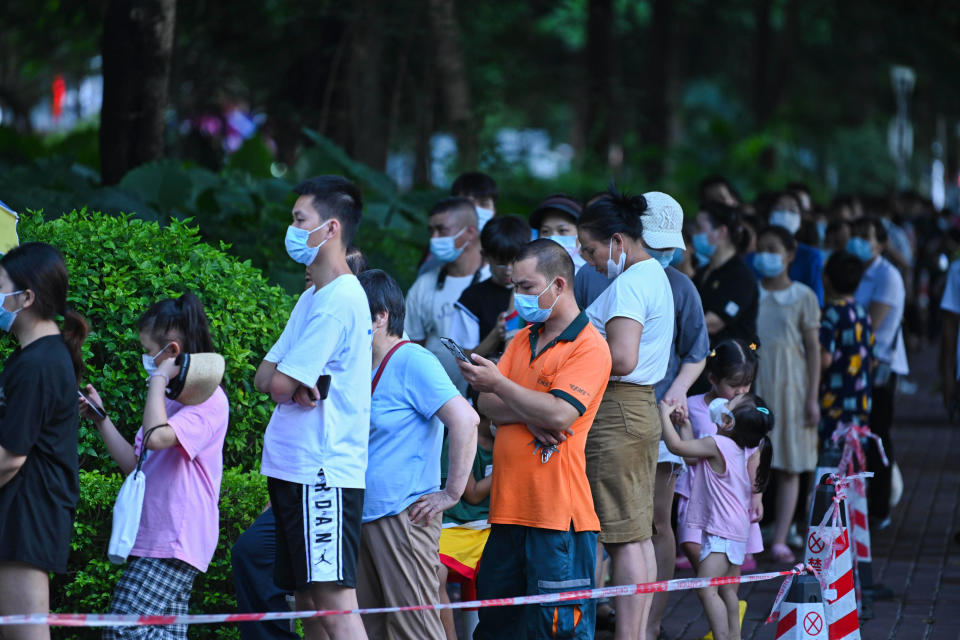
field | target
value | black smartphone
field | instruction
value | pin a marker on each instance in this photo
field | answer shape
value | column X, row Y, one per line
column 323, row 386
column 455, row 349
column 97, row 410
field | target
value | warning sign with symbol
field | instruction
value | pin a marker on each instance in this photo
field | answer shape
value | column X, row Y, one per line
column 813, row 623
column 819, row 545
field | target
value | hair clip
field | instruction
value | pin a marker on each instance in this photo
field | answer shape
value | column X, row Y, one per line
column 713, row 353
column 764, row 410
column 753, row 346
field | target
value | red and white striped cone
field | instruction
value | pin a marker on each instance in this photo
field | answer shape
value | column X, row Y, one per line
column 802, row 616
column 827, row 463
column 857, row 516
column 828, row 552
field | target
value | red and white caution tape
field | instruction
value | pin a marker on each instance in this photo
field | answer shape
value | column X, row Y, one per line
column 117, row 620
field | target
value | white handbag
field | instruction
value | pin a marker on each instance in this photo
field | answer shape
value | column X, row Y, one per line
column 127, row 509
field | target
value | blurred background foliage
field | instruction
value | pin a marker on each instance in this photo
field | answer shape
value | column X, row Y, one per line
column 401, row 96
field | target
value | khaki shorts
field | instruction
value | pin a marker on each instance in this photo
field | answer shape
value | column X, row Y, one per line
column 621, row 453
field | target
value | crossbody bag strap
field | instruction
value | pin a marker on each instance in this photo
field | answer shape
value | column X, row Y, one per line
column 383, row 364
column 143, row 444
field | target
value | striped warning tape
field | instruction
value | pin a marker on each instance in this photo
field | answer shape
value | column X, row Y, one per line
column 116, row 620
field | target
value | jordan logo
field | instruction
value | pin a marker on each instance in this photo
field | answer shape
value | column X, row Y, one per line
column 324, row 559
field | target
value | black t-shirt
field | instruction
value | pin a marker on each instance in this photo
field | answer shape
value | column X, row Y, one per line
column 38, row 419
column 730, row 291
column 486, row 300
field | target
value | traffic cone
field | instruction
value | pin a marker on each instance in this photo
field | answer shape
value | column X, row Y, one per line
column 828, row 552
column 827, row 463
column 857, row 516
column 802, row 616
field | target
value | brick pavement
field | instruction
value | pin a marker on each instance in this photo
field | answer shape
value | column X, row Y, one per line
column 916, row 556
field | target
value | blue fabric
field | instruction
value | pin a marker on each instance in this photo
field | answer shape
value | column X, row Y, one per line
column 521, row 561
column 403, row 459
column 252, row 557
column 588, row 284
column 691, row 343
column 807, row 267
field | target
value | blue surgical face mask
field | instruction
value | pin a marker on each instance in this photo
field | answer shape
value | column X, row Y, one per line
column 861, row 248
column 704, row 249
column 821, row 230
column 528, row 305
column 663, row 256
column 150, row 362
column 789, row 220
column 444, row 248
column 7, row 317
column 677, row 257
column 768, row 265
column 296, row 244
column 483, row 217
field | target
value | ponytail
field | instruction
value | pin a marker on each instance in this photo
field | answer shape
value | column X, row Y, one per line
column 614, row 212
column 763, row 470
column 40, row 267
column 182, row 318
column 74, row 332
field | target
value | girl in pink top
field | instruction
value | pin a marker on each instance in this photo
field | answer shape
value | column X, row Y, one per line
column 179, row 525
column 731, row 368
column 721, row 497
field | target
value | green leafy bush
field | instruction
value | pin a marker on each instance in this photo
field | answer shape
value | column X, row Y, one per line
column 88, row 586
column 118, row 267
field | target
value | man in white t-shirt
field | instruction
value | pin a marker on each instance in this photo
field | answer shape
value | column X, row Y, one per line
column 882, row 294
column 455, row 241
column 315, row 447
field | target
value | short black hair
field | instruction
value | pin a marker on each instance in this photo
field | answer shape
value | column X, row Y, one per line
column 733, row 362
column 844, row 271
column 356, row 260
column 503, row 237
column 723, row 215
column 612, row 213
column 785, row 237
column 552, row 260
column 384, row 294
column 335, row 197
column 474, row 184
column 714, row 180
column 454, row 203
column 863, row 222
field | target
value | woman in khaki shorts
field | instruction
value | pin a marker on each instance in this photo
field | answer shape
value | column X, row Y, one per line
column 636, row 316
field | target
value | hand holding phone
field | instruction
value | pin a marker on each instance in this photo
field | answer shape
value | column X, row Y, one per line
column 93, row 406
column 455, row 349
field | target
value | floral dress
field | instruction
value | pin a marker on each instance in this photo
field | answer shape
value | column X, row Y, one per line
column 846, row 334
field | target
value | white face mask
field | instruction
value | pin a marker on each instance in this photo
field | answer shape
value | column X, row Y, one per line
column 483, row 217
column 150, row 362
column 614, row 269
column 718, row 409
column 789, row 220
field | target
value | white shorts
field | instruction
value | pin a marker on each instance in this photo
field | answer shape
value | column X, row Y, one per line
column 733, row 549
column 664, row 455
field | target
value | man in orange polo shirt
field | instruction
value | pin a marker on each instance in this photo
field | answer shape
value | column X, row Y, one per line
column 542, row 396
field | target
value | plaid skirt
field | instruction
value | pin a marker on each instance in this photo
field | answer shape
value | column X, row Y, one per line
column 152, row 586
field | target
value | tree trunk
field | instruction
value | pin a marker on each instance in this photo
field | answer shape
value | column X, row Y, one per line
column 365, row 69
column 452, row 71
column 661, row 86
column 137, row 46
column 761, row 61
column 598, row 112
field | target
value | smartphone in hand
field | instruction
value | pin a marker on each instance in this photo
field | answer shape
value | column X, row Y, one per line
column 97, row 410
column 455, row 349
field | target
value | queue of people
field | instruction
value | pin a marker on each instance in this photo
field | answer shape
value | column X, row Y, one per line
column 535, row 410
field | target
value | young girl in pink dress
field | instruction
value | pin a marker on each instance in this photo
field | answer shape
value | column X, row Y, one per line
column 731, row 368
column 721, row 497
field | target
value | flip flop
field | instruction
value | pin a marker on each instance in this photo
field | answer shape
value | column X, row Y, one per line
column 782, row 553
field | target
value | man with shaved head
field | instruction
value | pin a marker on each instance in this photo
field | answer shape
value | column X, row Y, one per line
column 543, row 396
column 455, row 242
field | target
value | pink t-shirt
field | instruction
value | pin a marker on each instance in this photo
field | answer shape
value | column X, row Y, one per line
column 700, row 421
column 180, row 517
column 720, row 502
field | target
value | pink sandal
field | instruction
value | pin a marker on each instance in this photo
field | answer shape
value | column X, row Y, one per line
column 782, row 553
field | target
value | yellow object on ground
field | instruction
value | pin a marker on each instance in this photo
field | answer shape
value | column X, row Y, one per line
column 461, row 548
column 8, row 228
column 743, row 612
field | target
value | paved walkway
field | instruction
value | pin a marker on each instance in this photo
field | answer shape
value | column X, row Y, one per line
column 916, row 556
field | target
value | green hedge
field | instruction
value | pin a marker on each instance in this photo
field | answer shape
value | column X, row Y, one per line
column 118, row 267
